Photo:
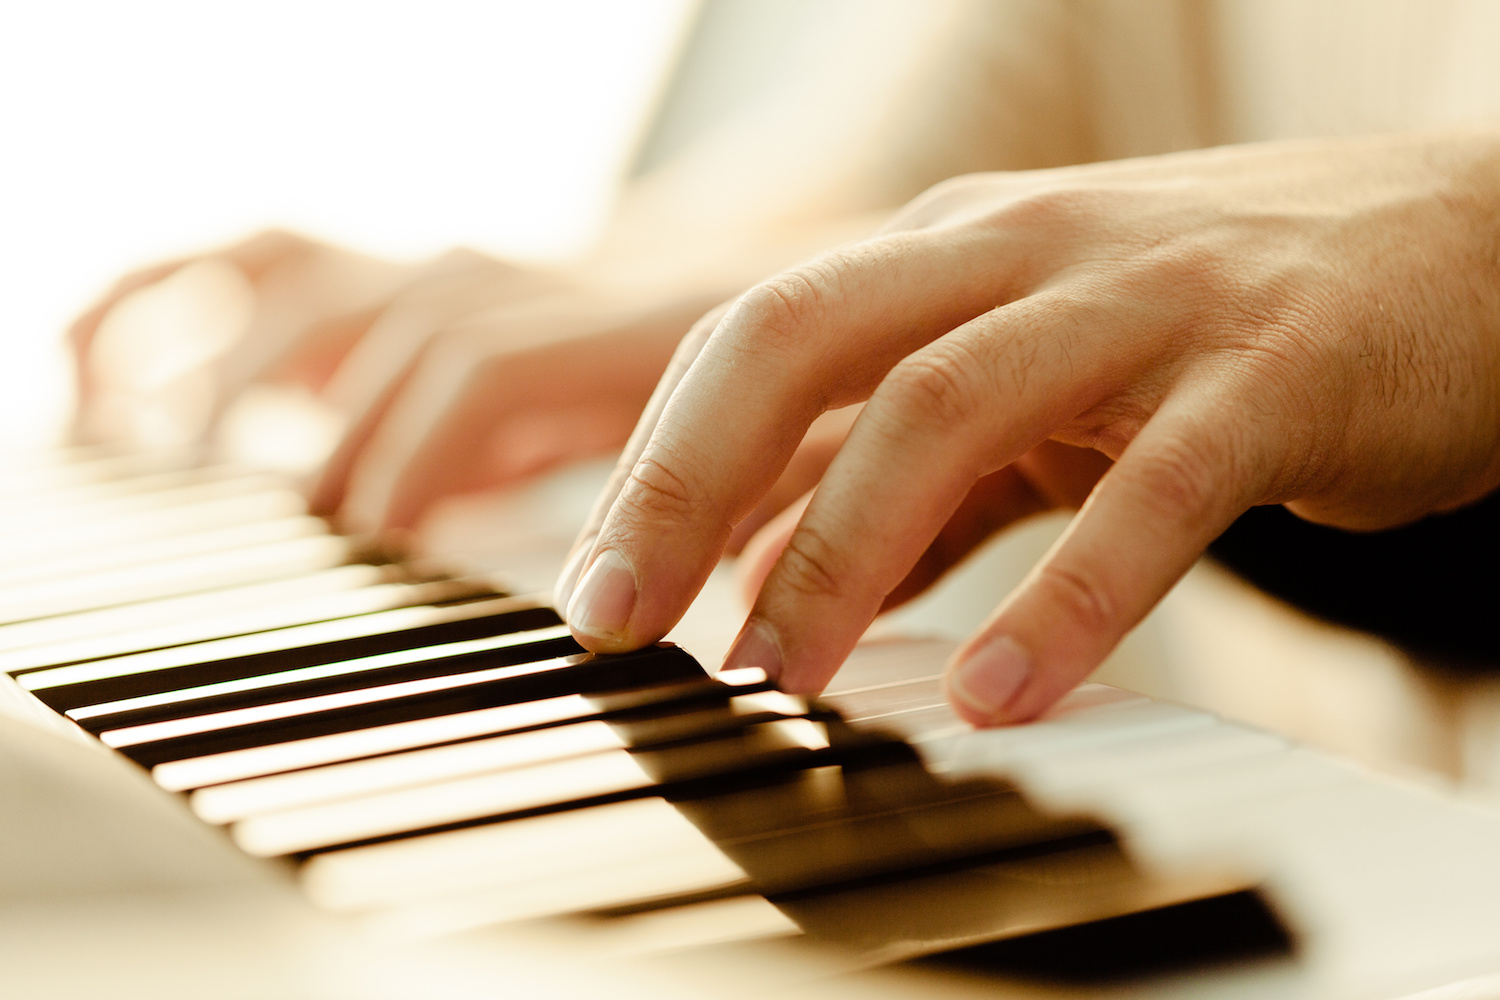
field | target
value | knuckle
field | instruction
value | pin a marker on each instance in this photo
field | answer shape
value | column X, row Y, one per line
column 654, row 492
column 1055, row 210
column 1183, row 476
column 1083, row 598
column 937, row 386
column 270, row 247
column 779, row 312
column 809, row 565
column 942, row 199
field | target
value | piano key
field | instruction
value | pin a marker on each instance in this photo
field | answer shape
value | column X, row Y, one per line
column 175, row 577
column 103, row 559
column 808, row 837
column 624, row 932
column 318, row 786
column 67, row 468
column 671, row 721
column 1087, row 775
column 193, row 514
column 1236, row 784
column 367, row 595
column 667, row 722
column 240, row 719
column 443, row 660
column 297, row 755
column 277, row 758
column 1115, row 726
column 163, row 742
column 875, row 818
column 978, row 901
column 672, row 871
column 107, row 499
column 185, row 609
column 30, row 459
column 531, row 867
column 310, row 644
column 440, row 804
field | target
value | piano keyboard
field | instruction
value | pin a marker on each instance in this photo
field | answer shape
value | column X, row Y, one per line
column 426, row 754
column 431, row 754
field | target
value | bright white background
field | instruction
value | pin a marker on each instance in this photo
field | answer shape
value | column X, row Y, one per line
column 133, row 131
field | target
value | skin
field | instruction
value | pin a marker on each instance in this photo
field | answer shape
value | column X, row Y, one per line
column 464, row 373
column 1164, row 342
column 460, row 374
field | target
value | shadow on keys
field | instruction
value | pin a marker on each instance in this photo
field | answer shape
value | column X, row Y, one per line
column 435, row 764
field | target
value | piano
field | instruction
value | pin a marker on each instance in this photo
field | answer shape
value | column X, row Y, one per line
column 244, row 755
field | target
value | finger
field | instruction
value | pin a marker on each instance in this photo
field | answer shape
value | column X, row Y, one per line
column 995, row 502
column 968, row 405
column 81, row 333
column 373, row 373
column 365, row 385
column 252, row 256
column 472, row 420
column 581, row 555
column 293, row 294
column 322, row 348
column 806, row 467
column 813, row 339
column 456, row 284
column 1177, row 486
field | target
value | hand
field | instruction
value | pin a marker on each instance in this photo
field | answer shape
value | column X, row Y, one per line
column 276, row 305
column 1169, row 341
column 369, row 338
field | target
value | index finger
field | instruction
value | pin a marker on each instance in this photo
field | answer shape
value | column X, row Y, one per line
column 582, row 552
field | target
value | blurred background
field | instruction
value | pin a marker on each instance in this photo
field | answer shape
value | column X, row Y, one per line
column 141, row 131
column 136, row 132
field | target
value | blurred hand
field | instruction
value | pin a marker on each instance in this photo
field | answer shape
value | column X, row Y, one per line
column 275, row 305
column 461, row 374
column 391, row 348
column 1166, row 341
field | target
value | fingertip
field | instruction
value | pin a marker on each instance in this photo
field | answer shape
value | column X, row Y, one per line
column 600, row 610
column 757, row 646
column 986, row 681
column 404, row 510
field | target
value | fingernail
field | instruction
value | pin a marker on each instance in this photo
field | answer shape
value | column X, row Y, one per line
column 562, row 592
column 990, row 677
column 756, row 646
column 605, row 597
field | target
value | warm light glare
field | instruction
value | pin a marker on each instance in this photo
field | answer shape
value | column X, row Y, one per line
column 142, row 130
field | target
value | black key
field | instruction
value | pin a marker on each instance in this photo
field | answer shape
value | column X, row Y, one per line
column 643, row 715
column 530, row 652
column 589, row 675
column 474, row 624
